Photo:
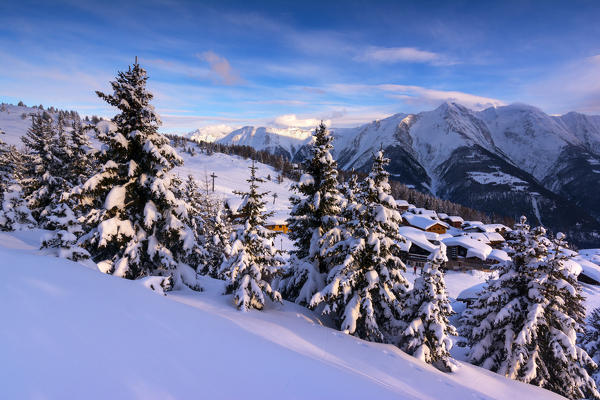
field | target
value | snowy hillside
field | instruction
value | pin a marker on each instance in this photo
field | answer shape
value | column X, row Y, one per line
column 284, row 141
column 210, row 133
column 77, row 333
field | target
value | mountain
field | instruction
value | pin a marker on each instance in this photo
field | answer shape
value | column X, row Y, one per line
column 286, row 142
column 508, row 160
column 210, row 133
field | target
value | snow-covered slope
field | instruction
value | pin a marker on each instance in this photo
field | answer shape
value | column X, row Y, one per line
column 74, row 332
column 274, row 140
column 210, row 133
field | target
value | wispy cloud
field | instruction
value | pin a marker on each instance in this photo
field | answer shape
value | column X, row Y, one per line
column 421, row 96
column 291, row 120
column 221, row 68
column 574, row 86
column 401, row 54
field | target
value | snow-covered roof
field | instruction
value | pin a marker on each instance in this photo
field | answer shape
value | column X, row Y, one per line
column 496, row 228
column 454, row 218
column 423, row 211
column 474, row 247
column 402, row 203
column 421, row 222
column 494, row 237
column 442, row 216
column 418, row 237
column 473, row 224
column 480, row 236
column 499, row 255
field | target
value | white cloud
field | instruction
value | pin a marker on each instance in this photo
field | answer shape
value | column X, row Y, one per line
column 291, row 120
column 398, row 54
column 421, row 96
column 574, row 86
column 221, row 68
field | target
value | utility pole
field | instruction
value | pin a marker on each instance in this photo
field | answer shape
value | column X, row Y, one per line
column 213, row 176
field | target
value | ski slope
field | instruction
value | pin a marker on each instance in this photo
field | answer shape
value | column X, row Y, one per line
column 73, row 332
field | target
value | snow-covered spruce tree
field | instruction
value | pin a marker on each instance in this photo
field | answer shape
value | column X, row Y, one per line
column 365, row 288
column 63, row 215
column 43, row 180
column 313, row 222
column 590, row 340
column 217, row 242
column 426, row 312
column 66, row 233
column 253, row 260
column 14, row 213
column 137, row 222
column 190, row 193
column 523, row 325
column 82, row 154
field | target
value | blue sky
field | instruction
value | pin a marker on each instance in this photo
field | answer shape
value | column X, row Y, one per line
column 290, row 63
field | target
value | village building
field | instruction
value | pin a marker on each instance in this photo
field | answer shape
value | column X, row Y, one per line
column 424, row 223
column 468, row 253
column 453, row 220
column 402, row 205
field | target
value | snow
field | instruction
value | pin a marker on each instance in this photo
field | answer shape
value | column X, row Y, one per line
column 421, row 222
column 115, row 198
column 419, row 238
column 475, row 248
column 271, row 139
column 210, row 133
column 496, row 178
column 187, row 344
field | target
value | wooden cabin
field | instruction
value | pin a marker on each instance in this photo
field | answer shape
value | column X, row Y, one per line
column 424, row 223
column 278, row 227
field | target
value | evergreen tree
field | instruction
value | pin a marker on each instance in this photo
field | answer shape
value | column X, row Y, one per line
column 82, row 154
column 137, row 222
column 67, row 231
column 427, row 336
column 217, row 242
column 192, row 197
column 253, row 261
column 313, row 221
column 43, row 181
column 524, row 324
column 14, row 213
column 365, row 287
column 591, row 340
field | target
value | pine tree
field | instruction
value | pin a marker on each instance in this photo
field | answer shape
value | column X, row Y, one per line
column 82, row 154
column 365, row 287
column 14, row 213
column 217, row 242
column 427, row 336
column 591, row 340
column 67, row 231
column 137, row 222
column 524, row 324
column 191, row 195
column 43, row 181
column 253, row 261
column 313, row 221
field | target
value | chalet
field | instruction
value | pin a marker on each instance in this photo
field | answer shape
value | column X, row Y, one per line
column 402, row 205
column 464, row 252
column 418, row 246
column 278, row 227
column 424, row 212
column 278, row 224
column 453, row 220
column 424, row 223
